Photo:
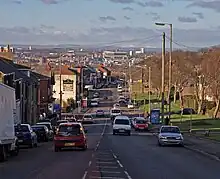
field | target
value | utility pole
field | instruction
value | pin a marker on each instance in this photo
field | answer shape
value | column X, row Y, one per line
column 142, row 80
column 149, row 89
column 61, row 93
column 170, row 68
column 130, row 80
column 162, row 80
column 82, row 81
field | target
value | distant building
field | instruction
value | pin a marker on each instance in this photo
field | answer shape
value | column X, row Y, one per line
column 115, row 55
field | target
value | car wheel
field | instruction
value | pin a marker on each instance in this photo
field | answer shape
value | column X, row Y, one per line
column 32, row 144
column 3, row 154
column 159, row 144
column 85, row 147
column 114, row 132
column 56, row 149
column 35, row 144
column 129, row 133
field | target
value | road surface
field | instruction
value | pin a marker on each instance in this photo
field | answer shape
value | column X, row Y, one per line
column 126, row 157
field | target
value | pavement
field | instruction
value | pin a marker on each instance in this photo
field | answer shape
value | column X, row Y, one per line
column 111, row 156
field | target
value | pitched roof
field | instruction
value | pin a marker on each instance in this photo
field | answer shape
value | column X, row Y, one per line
column 40, row 76
column 7, row 67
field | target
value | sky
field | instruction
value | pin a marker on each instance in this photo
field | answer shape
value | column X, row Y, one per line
column 110, row 22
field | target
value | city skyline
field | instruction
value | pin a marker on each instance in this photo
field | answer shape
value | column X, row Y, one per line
column 109, row 22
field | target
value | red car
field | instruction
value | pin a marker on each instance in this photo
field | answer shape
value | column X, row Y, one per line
column 70, row 135
column 141, row 124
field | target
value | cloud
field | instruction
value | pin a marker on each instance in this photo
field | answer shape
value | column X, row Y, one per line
column 122, row 1
column 17, row 1
column 215, row 5
column 107, row 18
column 154, row 15
column 199, row 15
column 107, row 36
column 187, row 19
column 127, row 18
column 128, row 9
column 151, row 4
column 50, row 2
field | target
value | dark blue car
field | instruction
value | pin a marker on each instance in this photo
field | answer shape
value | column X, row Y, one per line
column 26, row 135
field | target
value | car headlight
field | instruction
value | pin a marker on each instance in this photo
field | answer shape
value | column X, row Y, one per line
column 179, row 138
column 162, row 137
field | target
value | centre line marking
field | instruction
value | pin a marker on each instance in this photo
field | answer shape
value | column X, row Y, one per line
column 85, row 174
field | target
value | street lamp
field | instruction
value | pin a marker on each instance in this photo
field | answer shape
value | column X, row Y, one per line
column 170, row 61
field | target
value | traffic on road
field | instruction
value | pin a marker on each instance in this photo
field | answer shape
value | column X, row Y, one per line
column 113, row 139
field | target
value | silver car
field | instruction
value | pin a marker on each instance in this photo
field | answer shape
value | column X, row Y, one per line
column 170, row 135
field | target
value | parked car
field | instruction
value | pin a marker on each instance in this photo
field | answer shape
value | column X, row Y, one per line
column 26, row 135
column 42, row 132
column 50, row 129
column 70, row 135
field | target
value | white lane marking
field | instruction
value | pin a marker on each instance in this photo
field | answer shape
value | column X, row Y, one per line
column 108, row 167
column 114, row 156
column 106, row 177
column 106, row 162
column 103, row 171
column 90, row 163
column 105, row 159
column 119, row 163
column 104, row 127
column 126, row 173
column 85, row 174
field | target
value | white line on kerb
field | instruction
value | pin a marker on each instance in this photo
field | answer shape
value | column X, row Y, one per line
column 85, row 174
column 126, row 173
column 119, row 163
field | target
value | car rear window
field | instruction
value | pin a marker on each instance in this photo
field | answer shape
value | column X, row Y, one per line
column 21, row 128
column 116, row 111
column 88, row 116
column 170, row 130
column 60, row 122
column 122, row 121
column 36, row 128
column 48, row 125
column 141, row 122
column 69, row 130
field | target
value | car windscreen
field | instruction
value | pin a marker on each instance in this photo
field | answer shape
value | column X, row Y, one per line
column 21, row 128
column 141, row 122
column 99, row 111
column 170, row 130
column 69, row 130
column 88, row 116
column 122, row 121
column 116, row 111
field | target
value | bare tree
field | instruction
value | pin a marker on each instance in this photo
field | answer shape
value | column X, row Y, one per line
column 210, row 67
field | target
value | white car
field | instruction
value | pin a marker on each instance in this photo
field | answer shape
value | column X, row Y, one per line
column 122, row 124
column 130, row 106
column 87, row 118
column 170, row 135
column 115, row 112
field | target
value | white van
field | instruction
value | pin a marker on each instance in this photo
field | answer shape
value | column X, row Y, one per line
column 115, row 112
column 122, row 124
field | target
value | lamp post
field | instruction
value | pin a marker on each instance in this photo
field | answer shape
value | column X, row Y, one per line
column 170, row 61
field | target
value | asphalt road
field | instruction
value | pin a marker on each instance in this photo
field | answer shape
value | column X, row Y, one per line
column 123, row 157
